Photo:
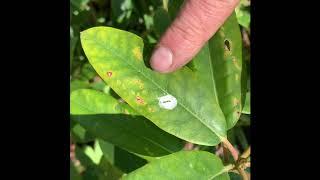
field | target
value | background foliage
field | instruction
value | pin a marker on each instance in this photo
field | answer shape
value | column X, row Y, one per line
column 104, row 155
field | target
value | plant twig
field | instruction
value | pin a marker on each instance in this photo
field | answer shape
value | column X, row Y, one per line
column 231, row 149
column 219, row 150
column 247, row 164
column 244, row 174
column 234, row 171
column 229, row 167
column 246, row 153
column 225, row 154
column 246, row 38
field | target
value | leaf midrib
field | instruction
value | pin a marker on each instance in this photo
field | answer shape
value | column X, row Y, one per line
column 137, row 70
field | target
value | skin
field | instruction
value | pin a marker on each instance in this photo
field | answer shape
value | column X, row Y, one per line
column 195, row 24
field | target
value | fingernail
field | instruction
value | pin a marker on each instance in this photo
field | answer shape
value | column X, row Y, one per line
column 161, row 59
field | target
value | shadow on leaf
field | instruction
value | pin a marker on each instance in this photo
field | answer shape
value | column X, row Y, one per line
column 136, row 134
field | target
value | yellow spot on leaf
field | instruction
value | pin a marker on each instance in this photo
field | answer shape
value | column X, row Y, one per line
column 235, row 101
column 139, row 83
column 137, row 53
column 226, row 54
column 237, row 77
column 235, row 62
column 150, row 109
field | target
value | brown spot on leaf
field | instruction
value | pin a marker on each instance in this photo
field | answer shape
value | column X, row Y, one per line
column 140, row 100
column 238, row 114
column 109, row 73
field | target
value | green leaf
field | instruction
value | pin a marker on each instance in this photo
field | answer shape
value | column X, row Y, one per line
column 148, row 21
column 78, row 84
column 79, row 134
column 87, row 72
column 107, row 150
column 73, row 45
column 174, row 7
column 80, row 5
column 243, row 13
column 100, row 86
column 127, row 161
column 245, row 78
column 103, row 171
column 93, row 171
column 110, row 172
column 121, row 9
column 116, row 56
column 226, row 54
column 83, row 158
column 108, row 119
column 182, row 165
column 95, row 153
column 161, row 21
column 246, row 109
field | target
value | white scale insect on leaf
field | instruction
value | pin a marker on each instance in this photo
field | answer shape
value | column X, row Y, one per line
column 168, row 102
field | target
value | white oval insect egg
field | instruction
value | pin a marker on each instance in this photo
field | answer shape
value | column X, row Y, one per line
column 168, row 102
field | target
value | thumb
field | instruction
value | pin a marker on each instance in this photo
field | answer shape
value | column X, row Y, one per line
column 196, row 23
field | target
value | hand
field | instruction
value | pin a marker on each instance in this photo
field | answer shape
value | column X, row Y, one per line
column 196, row 23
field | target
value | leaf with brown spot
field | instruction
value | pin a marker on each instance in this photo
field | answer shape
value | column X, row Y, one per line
column 105, row 117
column 140, row 100
column 204, row 110
column 109, row 73
column 196, row 118
column 226, row 54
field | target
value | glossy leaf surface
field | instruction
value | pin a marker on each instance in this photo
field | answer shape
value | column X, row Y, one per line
column 198, row 165
column 113, row 121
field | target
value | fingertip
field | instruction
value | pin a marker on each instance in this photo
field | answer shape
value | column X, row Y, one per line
column 161, row 59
